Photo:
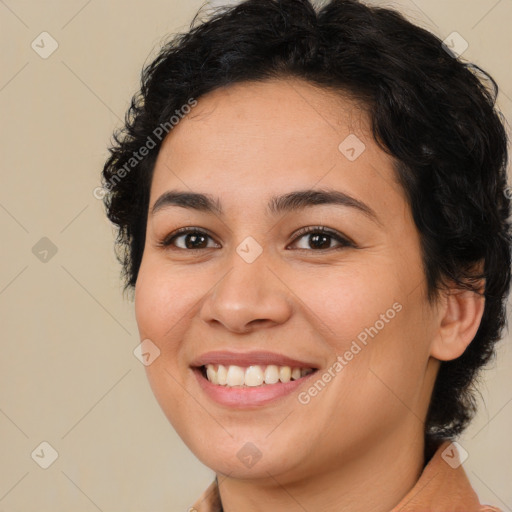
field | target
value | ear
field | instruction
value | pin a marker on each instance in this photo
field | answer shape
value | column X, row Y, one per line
column 459, row 314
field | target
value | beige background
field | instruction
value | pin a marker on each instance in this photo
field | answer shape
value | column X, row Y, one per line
column 68, row 373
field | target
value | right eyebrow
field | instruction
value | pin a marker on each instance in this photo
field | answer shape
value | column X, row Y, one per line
column 292, row 201
column 191, row 200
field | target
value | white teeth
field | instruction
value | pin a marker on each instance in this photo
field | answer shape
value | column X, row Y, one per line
column 271, row 374
column 255, row 375
column 285, row 374
column 211, row 374
column 236, row 376
column 222, row 374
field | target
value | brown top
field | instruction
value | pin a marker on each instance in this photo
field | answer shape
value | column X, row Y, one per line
column 442, row 487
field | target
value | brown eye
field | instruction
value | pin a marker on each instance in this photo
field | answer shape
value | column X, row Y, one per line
column 320, row 238
column 317, row 238
column 191, row 238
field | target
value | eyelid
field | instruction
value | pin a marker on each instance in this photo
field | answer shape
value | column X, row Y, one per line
column 167, row 240
column 343, row 240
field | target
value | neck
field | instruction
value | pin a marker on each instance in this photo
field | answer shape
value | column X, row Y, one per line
column 373, row 480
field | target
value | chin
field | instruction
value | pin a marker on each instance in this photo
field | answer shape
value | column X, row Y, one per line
column 243, row 456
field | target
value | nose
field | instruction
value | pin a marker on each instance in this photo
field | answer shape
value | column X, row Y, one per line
column 250, row 295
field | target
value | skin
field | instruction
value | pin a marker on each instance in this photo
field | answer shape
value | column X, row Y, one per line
column 358, row 444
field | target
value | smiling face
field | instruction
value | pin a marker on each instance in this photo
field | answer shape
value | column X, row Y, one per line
column 348, row 302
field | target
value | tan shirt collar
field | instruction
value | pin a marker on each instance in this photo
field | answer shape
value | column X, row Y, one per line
column 440, row 488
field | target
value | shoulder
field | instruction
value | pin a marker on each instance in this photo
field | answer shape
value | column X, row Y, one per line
column 443, row 485
column 209, row 501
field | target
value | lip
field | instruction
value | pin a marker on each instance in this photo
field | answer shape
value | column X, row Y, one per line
column 245, row 359
column 249, row 397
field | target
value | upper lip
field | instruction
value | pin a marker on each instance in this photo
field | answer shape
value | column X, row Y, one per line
column 227, row 358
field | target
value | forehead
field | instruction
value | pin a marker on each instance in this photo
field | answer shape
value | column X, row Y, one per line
column 257, row 138
column 268, row 114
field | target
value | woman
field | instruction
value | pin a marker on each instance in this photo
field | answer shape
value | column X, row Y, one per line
column 313, row 215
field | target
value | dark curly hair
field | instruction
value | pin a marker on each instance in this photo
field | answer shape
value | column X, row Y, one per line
column 434, row 113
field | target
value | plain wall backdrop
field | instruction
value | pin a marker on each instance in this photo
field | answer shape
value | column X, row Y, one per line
column 68, row 373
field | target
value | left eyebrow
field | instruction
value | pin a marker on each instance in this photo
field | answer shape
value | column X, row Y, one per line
column 192, row 200
column 301, row 199
column 293, row 201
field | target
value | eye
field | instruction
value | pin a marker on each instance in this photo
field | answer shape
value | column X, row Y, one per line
column 320, row 238
column 196, row 238
column 192, row 238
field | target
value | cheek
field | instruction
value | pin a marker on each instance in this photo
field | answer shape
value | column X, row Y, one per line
column 162, row 301
column 381, row 334
column 352, row 306
column 390, row 370
column 161, row 306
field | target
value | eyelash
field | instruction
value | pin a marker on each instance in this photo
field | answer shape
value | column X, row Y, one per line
column 345, row 242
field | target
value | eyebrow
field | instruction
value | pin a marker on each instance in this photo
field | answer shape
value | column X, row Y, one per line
column 293, row 201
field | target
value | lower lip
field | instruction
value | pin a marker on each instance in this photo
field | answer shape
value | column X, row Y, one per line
column 248, row 396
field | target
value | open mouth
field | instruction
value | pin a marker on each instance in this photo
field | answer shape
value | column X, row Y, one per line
column 233, row 376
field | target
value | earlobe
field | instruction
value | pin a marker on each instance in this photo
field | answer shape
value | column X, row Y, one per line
column 460, row 315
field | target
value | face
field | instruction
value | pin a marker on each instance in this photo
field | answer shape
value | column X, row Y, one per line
column 303, row 258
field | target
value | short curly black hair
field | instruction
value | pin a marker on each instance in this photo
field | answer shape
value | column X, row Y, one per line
column 434, row 113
